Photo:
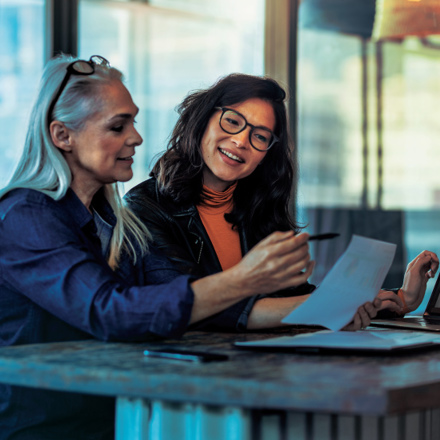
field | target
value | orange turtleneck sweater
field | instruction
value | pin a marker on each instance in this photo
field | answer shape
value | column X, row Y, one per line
column 226, row 241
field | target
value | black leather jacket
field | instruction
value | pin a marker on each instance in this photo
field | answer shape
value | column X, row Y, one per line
column 178, row 233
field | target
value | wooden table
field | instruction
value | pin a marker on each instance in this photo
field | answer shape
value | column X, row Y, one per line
column 252, row 396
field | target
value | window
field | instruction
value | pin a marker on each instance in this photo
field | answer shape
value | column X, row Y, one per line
column 21, row 64
column 329, row 119
column 167, row 48
column 368, row 141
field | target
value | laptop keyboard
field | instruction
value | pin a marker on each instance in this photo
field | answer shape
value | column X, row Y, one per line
column 416, row 319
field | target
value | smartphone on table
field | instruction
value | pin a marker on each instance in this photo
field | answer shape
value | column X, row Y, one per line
column 185, row 355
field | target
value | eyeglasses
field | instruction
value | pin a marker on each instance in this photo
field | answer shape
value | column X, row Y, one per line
column 79, row 67
column 233, row 122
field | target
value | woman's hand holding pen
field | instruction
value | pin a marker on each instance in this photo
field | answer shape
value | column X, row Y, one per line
column 279, row 261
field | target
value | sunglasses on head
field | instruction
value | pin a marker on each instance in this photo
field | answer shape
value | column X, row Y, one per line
column 79, row 67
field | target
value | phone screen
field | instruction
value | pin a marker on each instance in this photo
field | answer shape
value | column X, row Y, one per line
column 186, row 355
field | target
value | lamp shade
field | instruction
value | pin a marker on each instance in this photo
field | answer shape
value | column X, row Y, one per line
column 376, row 19
column 402, row 18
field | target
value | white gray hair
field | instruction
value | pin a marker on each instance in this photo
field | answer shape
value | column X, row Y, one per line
column 42, row 167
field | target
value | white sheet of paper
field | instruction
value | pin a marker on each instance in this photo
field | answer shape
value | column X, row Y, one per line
column 355, row 278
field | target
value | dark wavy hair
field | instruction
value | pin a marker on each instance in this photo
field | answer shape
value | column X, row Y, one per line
column 261, row 200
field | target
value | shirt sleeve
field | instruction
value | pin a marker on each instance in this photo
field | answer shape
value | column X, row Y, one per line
column 52, row 262
column 156, row 268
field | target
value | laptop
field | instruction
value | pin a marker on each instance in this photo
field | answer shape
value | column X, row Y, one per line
column 430, row 320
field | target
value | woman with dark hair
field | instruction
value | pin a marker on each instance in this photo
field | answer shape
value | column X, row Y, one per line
column 225, row 183
column 261, row 199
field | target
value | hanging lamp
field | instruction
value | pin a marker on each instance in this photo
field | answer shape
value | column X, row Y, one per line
column 402, row 18
column 375, row 19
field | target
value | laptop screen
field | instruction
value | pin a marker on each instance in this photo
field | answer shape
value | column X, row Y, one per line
column 433, row 307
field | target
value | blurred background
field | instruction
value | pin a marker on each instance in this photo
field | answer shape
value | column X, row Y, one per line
column 363, row 78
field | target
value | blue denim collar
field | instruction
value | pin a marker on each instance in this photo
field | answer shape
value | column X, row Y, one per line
column 81, row 215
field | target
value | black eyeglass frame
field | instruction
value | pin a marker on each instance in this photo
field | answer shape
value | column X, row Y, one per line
column 274, row 138
column 71, row 70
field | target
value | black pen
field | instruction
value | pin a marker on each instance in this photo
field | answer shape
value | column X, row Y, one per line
column 324, row 236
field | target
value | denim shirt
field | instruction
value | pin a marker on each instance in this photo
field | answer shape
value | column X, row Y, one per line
column 55, row 285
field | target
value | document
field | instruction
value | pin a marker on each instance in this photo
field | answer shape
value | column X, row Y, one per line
column 355, row 278
column 370, row 339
